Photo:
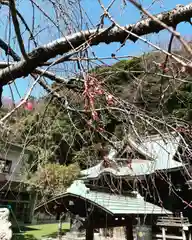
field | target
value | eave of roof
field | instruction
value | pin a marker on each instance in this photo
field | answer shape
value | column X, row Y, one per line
column 134, row 170
column 111, row 203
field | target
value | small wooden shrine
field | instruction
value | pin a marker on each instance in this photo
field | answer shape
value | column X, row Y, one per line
column 118, row 191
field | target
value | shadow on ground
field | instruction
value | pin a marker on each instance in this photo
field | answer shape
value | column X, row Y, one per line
column 20, row 236
column 23, row 229
column 55, row 234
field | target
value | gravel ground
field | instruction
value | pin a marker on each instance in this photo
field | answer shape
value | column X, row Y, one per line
column 96, row 237
column 118, row 234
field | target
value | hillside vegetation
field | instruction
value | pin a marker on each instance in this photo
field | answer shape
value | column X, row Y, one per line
column 131, row 95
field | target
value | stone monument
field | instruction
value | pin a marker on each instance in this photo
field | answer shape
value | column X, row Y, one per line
column 5, row 224
column 76, row 232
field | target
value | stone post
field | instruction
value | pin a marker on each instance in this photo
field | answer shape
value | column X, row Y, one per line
column 5, row 224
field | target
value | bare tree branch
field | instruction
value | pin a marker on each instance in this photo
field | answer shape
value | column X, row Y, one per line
column 6, row 3
column 9, row 51
column 17, row 28
column 176, row 34
column 94, row 37
column 38, row 71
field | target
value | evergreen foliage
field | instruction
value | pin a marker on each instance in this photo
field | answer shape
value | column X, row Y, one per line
column 63, row 141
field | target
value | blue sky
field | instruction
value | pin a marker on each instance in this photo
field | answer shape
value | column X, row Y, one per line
column 123, row 16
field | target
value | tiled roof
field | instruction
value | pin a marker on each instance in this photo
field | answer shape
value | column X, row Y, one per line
column 112, row 203
column 160, row 150
column 116, row 204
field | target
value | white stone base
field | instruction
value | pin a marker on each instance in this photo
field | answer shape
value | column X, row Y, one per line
column 5, row 225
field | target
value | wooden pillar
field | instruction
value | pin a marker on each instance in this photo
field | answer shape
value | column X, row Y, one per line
column 129, row 231
column 71, row 220
column 190, row 237
column 89, row 233
column 33, row 200
column 60, row 225
column 183, row 234
column 163, row 233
